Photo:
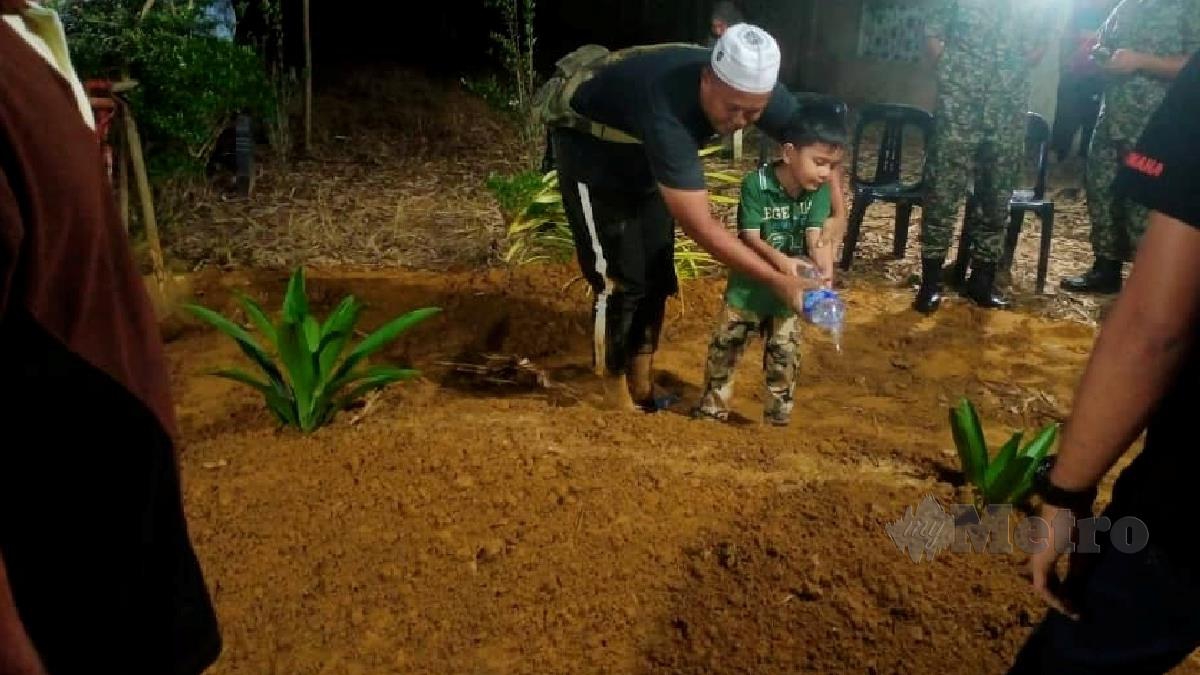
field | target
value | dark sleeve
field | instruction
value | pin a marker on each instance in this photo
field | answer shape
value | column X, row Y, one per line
column 10, row 240
column 1163, row 171
column 778, row 112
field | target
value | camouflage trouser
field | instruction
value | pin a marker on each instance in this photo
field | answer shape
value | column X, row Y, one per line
column 957, row 154
column 781, row 355
column 1117, row 224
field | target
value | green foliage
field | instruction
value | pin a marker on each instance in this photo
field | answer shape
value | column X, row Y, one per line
column 190, row 83
column 1008, row 477
column 308, row 381
column 516, row 41
column 537, row 224
column 538, row 230
column 494, row 91
column 516, row 193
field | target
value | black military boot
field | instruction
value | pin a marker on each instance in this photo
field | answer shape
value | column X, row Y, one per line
column 1104, row 277
column 929, row 295
column 981, row 287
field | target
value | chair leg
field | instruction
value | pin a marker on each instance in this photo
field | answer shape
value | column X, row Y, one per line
column 903, row 216
column 1044, row 254
column 857, row 212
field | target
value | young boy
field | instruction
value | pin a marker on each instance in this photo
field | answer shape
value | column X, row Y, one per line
column 783, row 209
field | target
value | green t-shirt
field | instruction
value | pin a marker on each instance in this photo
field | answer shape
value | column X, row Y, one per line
column 781, row 220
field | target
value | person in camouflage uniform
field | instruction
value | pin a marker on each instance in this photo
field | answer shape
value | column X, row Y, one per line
column 985, row 50
column 1142, row 46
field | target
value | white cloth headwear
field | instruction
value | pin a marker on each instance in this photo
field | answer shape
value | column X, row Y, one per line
column 747, row 58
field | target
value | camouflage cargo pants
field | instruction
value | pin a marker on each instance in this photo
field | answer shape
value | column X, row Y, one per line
column 781, row 356
column 1117, row 224
column 957, row 154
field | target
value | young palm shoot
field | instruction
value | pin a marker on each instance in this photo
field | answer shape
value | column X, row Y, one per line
column 313, row 376
column 1007, row 478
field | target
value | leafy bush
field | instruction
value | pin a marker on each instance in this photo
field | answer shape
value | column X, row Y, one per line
column 518, row 192
column 305, row 388
column 1008, row 478
column 538, row 230
column 190, row 83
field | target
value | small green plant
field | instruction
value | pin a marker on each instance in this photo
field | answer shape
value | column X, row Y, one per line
column 518, row 192
column 311, row 381
column 1008, row 477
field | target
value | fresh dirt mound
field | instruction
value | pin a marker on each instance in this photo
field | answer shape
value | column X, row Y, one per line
column 495, row 523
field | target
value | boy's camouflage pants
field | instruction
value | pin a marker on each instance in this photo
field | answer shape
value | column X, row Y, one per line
column 1117, row 224
column 781, row 355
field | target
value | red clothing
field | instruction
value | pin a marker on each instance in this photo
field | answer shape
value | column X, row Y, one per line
column 64, row 256
column 92, row 528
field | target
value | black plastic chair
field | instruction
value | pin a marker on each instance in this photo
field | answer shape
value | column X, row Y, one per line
column 1037, row 138
column 767, row 147
column 886, row 185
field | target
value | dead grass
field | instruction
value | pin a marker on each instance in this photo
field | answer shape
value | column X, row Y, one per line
column 396, row 179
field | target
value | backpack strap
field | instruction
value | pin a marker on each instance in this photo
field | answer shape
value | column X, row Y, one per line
column 553, row 100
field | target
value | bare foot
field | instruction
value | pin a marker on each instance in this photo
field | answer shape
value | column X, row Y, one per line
column 616, row 394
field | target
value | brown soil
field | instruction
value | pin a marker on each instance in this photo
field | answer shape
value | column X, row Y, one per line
column 456, row 525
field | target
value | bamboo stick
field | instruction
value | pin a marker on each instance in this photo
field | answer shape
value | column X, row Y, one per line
column 136, row 157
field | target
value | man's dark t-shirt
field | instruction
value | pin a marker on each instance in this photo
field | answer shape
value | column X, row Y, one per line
column 1163, row 173
column 655, row 97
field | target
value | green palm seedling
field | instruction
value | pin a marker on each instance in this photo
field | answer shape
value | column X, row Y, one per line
column 1007, row 478
column 311, row 381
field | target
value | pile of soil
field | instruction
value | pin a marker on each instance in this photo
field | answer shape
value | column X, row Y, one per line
column 480, row 521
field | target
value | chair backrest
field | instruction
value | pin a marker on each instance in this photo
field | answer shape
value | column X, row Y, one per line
column 895, row 118
column 1037, row 137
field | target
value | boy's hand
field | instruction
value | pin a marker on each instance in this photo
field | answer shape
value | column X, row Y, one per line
column 823, row 257
column 791, row 290
column 803, row 267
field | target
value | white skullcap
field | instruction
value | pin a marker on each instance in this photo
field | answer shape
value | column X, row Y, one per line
column 747, row 58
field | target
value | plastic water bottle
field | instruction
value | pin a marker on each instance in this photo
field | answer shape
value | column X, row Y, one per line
column 823, row 308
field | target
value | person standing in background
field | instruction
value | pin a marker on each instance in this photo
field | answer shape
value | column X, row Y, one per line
column 1082, row 82
column 1142, row 47
column 984, row 50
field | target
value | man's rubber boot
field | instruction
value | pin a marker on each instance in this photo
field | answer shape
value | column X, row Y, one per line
column 929, row 295
column 981, row 287
column 1104, row 277
column 616, row 393
column 641, row 380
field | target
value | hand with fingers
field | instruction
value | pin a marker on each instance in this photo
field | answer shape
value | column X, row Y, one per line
column 1060, row 592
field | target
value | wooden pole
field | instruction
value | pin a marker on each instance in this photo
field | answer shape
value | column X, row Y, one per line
column 146, row 197
column 308, row 77
column 121, row 155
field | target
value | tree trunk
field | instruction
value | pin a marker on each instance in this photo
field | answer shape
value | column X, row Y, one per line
column 308, row 93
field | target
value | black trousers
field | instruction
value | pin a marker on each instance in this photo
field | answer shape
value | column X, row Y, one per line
column 1140, row 615
column 625, row 245
column 1078, row 110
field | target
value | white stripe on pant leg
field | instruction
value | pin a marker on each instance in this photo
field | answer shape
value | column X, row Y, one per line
column 599, row 330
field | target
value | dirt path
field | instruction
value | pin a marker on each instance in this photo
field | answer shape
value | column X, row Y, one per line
column 460, row 527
